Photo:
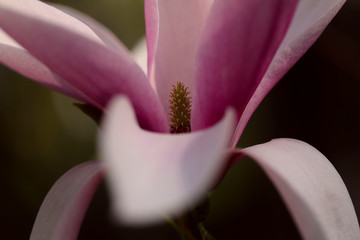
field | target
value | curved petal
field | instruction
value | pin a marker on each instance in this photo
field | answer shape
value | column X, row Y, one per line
column 64, row 207
column 99, row 72
column 46, row 13
column 15, row 57
column 107, row 37
column 173, row 32
column 152, row 174
column 313, row 191
column 238, row 44
column 310, row 20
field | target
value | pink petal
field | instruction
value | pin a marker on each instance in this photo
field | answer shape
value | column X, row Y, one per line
column 173, row 32
column 65, row 205
column 310, row 186
column 238, row 44
column 310, row 20
column 152, row 174
column 152, row 31
column 107, row 37
column 15, row 57
column 41, row 11
column 97, row 71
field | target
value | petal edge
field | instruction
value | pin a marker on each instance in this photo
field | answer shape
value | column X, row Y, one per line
column 312, row 189
column 64, row 207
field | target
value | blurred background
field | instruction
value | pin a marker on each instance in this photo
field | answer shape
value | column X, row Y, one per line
column 42, row 135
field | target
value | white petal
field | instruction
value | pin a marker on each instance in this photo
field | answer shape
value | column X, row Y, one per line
column 139, row 53
column 153, row 174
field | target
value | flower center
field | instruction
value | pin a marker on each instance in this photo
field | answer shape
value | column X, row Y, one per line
column 180, row 109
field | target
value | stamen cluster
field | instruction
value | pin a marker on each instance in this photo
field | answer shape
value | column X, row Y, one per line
column 180, row 109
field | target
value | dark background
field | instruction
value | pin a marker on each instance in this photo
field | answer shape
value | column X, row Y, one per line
column 42, row 135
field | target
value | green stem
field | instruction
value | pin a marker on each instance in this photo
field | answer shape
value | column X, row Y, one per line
column 176, row 227
column 205, row 235
column 189, row 230
column 189, row 225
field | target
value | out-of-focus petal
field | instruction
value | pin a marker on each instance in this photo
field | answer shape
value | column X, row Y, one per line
column 139, row 53
column 97, row 71
column 239, row 41
column 65, row 205
column 312, row 189
column 173, row 31
column 15, row 57
column 153, row 174
column 310, row 20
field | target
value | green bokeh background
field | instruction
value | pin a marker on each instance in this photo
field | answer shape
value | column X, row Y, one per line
column 42, row 135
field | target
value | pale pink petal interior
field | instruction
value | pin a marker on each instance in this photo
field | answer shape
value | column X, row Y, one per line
column 152, row 32
column 310, row 20
column 238, row 44
column 62, row 211
column 151, row 174
column 180, row 23
column 312, row 189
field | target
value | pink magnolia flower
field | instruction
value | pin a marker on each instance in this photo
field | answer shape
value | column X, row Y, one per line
column 229, row 54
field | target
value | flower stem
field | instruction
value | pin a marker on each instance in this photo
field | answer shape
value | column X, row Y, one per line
column 205, row 235
column 176, row 227
column 189, row 225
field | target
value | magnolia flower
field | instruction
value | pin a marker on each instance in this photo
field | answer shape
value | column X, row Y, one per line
column 224, row 57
